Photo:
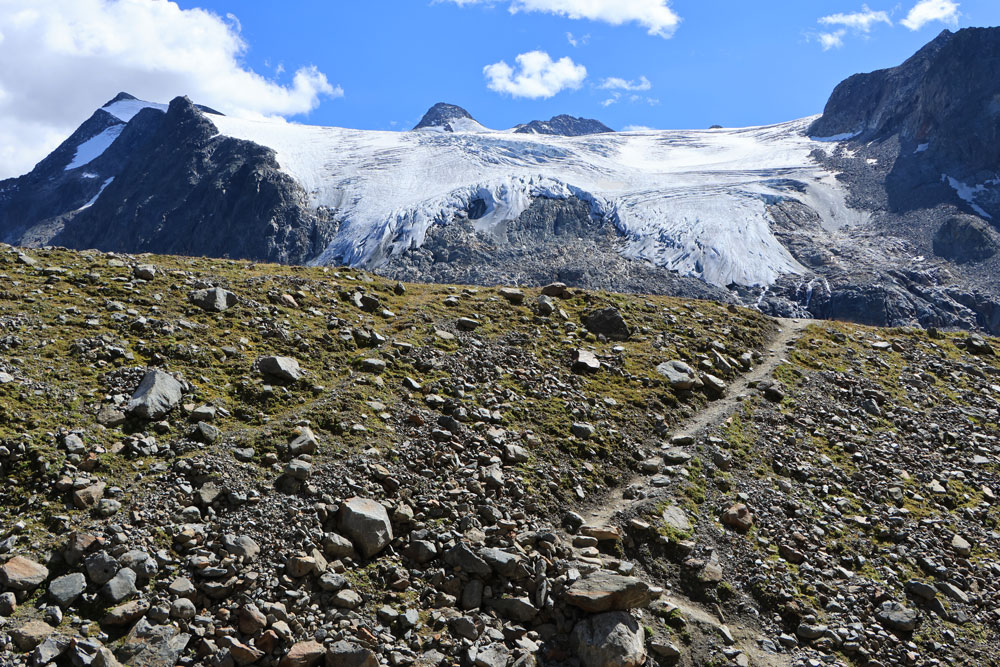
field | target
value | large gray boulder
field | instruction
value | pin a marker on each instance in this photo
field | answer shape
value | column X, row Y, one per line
column 678, row 374
column 157, row 395
column 613, row 639
column 66, row 589
column 608, row 591
column 367, row 525
column 282, row 369
column 214, row 299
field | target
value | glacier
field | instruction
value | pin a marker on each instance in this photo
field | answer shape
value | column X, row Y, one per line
column 692, row 201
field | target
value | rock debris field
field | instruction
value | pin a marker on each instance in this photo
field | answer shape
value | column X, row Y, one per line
column 209, row 462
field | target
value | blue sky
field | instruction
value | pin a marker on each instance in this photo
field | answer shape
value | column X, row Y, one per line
column 379, row 64
column 729, row 62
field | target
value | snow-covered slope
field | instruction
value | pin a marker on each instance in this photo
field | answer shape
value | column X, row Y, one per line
column 690, row 200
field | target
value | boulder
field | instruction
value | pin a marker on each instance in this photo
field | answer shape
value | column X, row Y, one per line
column 679, row 375
column 22, row 574
column 613, row 639
column 214, row 299
column 346, row 654
column 897, row 617
column 739, row 517
column 156, row 395
column 586, row 362
column 281, row 369
column 366, row 523
column 607, row 591
column 607, row 322
column 303, row 654
column 29, row 635
column 66, row 589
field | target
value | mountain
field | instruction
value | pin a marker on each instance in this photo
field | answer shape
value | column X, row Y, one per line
column 567, row 126
column 881, row 211
column 448, row 118
column 211, row 462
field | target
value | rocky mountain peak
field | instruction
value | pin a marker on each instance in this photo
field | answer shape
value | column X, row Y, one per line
column 120, row 97
column 565, row 125
column 446, row 118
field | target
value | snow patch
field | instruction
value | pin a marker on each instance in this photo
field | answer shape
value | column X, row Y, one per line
column 968, row 193
column 93, row 148
column 694, row 201
column 94, row 198
column 837, row 137
column 921, row 148
column 125, row 110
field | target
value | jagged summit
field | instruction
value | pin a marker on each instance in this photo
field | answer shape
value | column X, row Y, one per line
column 565, row 125
column 444, row 117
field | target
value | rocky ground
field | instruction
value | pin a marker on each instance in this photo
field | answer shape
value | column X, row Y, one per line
column 221, row 463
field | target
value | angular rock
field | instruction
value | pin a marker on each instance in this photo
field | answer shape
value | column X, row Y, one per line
column 303, row 654
column 156, row 395
column 679, row 375
column 367, row 525
column 66, row 589
column 281, row 369
column 346, row 654
column 613, row 639
column 22, row 574
column 739, row 517
column 586, row 362
column 29, row 635
column 607, row 591
column 897, row 617
column 215, row 299
column 607, row 322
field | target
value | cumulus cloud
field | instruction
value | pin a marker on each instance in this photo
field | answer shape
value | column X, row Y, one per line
column 577, row 41
column 537, row 75
column 64, row 58
column 655, row 15
column 862, row 21
column 617, row 83
column 831, row 40
column 929, row 11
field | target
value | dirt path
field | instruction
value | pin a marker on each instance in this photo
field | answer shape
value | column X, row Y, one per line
column 715, row 413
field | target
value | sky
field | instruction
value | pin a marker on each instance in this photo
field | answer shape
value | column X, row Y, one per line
column 379, row 64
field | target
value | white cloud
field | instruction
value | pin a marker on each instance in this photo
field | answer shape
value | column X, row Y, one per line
column 615, row 97
column 928, row 11
column 617, row 83
column 655, row 15
column 537, row 75
column 831, row 40
column 62, row 59
column 861, row 21
column 577, row 41
column 638, row 128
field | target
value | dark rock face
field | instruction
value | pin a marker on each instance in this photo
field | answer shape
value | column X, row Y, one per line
column 567, row 126
column 941, row 105
column 188, row 191
column 442, row 115
column 965, row 238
